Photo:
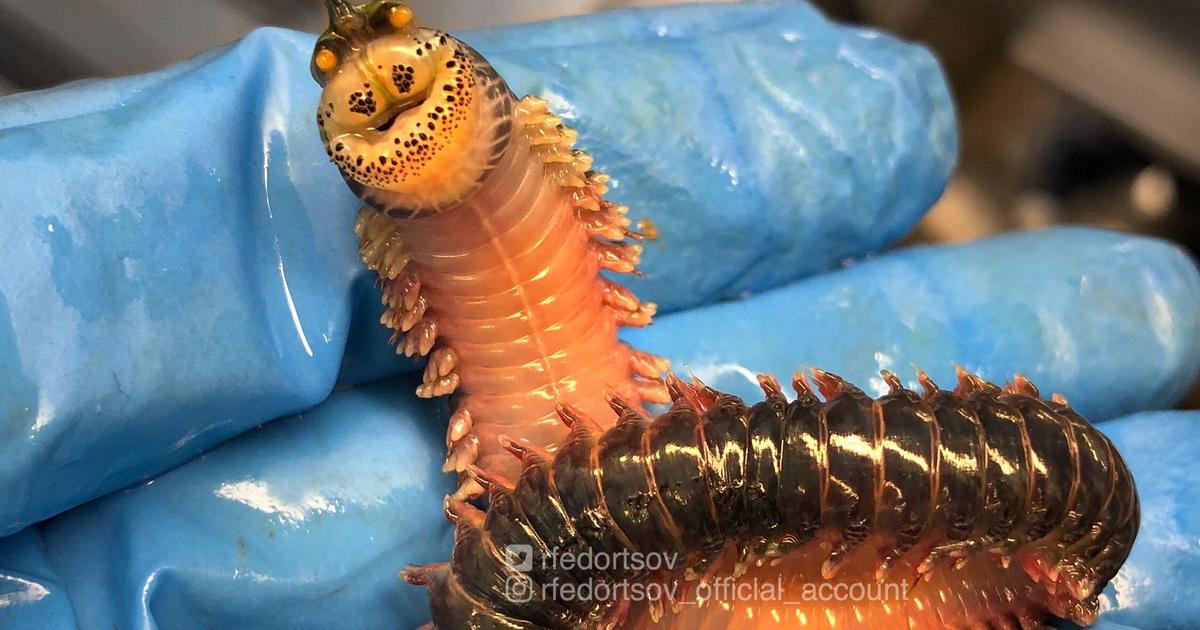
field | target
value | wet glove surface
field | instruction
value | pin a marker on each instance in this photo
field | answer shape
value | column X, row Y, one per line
column 179, row 265
column 304, row 522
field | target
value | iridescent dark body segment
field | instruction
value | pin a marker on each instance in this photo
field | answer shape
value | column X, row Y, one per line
column 1002, row 509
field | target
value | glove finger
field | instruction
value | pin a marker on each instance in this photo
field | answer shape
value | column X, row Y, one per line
column 303, row 523
column 170, row 275
column 1157, row 588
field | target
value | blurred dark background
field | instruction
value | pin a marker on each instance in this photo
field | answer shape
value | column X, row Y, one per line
column 1071, row 111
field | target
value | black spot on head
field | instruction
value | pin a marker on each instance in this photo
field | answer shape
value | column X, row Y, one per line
column 363, row 103
column 402, row 76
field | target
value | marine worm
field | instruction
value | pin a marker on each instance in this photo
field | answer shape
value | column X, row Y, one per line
column 488, row 230
column 994, row 508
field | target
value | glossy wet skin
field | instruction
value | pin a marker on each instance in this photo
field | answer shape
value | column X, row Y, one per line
column 397, row 112
column 715, row 483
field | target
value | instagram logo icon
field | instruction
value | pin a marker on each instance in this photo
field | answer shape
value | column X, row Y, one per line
column 518, row 588
column 519, row 557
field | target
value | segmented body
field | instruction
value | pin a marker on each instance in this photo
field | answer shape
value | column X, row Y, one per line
column 489, row 232
column 504, row 292
column 997, row 508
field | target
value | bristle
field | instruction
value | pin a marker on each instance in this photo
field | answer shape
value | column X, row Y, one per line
column 576, row 419
column 621, row 407
column 460, row 425
column 927, row 385
column 983, row 384
column 706, row 397
column 770, row 386
column 635, row 235
column 468, row 488
column 418, row 574
column 618, row 257
column 831, row 385
column 966, row 385
column 488, row 480
column 518, row 449
column 1024, row 386
column 893, row 381
column 460, row 512
column 462, row 454
column 801, row 385
column 680, row 391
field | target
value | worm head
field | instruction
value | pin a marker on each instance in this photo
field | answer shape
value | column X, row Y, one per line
column 398, row 110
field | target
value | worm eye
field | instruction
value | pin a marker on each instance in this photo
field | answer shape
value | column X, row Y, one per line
column 400, row 16
column 326, row 60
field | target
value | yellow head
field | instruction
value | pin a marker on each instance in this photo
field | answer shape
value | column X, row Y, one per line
column 400, row 113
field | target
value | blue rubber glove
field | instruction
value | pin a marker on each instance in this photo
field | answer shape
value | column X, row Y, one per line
column 178, row 263
column 304, row 522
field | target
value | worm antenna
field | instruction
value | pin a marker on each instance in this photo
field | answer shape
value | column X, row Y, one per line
column 338, row 10
column 343, row 17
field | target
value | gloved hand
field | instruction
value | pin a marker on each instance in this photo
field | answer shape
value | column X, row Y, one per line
column 182, row 269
